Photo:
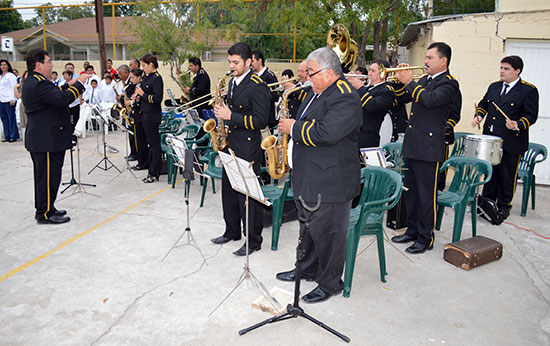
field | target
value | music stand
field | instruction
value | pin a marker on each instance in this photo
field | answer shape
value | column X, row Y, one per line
column 179, row 152
column 105, row 159
column 79, row 186
column 128, row 132
column 243, row 179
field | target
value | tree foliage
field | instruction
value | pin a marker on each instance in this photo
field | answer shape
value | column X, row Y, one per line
column 10, row 20
column 443, row 7
column 54, row 15
column 170, row 32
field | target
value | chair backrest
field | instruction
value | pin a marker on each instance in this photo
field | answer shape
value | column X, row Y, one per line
column 458, row 147
column 469, row 173
column 395, row 156
column 381, row 189
column 189, row 132
column 529, row 158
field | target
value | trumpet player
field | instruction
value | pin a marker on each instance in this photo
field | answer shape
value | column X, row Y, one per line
column 200, row 86
column 246, row 114
column 432, row 97
column 377, row 100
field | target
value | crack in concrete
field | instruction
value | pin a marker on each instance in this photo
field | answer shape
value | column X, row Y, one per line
column 138, row 298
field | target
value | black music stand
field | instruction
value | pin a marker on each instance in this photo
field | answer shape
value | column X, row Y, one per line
column 105, row 160
column 179, row 152
column 79, row 186
column 294, row 310
column 128, row 132
column 243, row 179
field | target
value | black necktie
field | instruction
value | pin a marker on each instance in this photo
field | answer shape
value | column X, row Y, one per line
column 506, row 85
column 429, row 80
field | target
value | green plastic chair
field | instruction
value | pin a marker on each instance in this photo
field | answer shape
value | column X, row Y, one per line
column 394, row 155
column 187, row 133
column 214, row 172
column 469, row 173
column 458, row 147
column 526, row 173
column 381, row 192
column 173, row 126
column 277, row 196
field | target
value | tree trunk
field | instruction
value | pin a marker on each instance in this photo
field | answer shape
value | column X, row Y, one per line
column 384, row 40
column 376, row 40
column 362, row 47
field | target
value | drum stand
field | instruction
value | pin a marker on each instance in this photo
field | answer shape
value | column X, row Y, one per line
column 105, row 159
column 79, row 186
column 294, row 310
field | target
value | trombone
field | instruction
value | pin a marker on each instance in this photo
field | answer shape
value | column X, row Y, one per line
column 388, row 73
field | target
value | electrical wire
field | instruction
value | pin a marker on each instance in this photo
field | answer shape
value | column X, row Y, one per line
column 526, row 229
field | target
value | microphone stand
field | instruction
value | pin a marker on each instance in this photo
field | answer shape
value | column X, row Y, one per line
column 294, row 310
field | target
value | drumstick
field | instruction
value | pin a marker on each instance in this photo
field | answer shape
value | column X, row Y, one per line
column 475, row 110
column 504, row 114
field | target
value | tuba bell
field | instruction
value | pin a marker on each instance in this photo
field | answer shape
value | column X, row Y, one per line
column 340, row 41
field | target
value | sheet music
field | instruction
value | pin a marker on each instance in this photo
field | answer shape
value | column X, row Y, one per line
column 242, row 177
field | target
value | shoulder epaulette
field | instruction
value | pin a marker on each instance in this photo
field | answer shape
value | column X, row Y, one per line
column 256, row 79
column 157, row 74
column 390, row 87
column 39, row 77
column 451, row 77
column 343, row 87
column 201, row 71
column 527, row 83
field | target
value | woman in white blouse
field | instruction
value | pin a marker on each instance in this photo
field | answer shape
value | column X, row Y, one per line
column 7, row 102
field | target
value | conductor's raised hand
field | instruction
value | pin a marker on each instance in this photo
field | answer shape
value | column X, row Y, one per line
column 82, row 78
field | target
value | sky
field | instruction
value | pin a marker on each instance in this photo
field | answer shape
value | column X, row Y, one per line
column 29, row 13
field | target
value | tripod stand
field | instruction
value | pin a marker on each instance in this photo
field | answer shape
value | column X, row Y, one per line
column 73, row 180
column 105, row 159
column 128, row 132
column 294, row 310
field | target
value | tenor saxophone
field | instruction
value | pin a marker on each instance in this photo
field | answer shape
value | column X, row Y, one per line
column 218, row 133
column 277, row 147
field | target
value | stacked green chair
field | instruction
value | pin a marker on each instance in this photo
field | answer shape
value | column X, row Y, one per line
column 214, row 172
column 458, row 147
column 469, row 173
column 277, row 196
column 394, row 155
column 526, row 173
column 172, row 126
column 381, row 192
column 188, row 133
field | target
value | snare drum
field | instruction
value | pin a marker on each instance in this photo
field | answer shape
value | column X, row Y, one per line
column 484, row 147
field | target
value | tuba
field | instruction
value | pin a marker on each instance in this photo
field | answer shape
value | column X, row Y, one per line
column 276, row 147
column 219, row 132
column 340, row 41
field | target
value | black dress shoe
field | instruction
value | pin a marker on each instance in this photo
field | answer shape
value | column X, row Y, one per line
column 504, row 213
column 291, row 276
column 242, row 250
column 131, row 158
column 405, row 238
column 316, row 296
column 417, row 248
column 220, row 240
column 54, row 219
column 5, row 140
column 60, row 212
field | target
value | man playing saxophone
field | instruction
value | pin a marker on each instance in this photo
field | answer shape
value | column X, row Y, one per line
column 246, row 113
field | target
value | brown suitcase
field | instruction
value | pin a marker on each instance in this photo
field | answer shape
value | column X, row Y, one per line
column 472, row 252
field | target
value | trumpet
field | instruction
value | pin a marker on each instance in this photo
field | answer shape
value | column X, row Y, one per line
column 385, row 72
column 275, row 86
column 358, row 76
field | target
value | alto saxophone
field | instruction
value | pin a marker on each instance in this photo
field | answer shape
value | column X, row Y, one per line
column 219, row 132
column 123, row 110
column 276, row 148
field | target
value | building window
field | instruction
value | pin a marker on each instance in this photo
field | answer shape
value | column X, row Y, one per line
column 80, row 55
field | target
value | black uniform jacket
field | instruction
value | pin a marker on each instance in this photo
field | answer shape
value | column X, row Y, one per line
column 249, row 104
column 520, row 104
column 49, row 120
column 295, row 100
column 431, row 105
column 453, row 119
column 376, row 102
column 269, row 78
column 324, row 157
column 399, row 116
column 200, row 86
column 153, row 88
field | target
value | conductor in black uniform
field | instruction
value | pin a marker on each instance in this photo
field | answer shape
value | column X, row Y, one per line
column 200, row 86
column 424, row 146
column 519, row 100
column 377, row 99
column 324, row 161
column 48, row 132
column 246, row 114
column 258, row 66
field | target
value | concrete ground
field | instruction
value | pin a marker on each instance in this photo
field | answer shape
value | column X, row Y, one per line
column 99, row 279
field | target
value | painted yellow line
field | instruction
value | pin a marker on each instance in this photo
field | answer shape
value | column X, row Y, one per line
column 76, row 237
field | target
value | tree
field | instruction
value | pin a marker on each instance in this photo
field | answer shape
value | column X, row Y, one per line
column 170, row 32
column 54, row 15
column 10, row 20
column 120, row 10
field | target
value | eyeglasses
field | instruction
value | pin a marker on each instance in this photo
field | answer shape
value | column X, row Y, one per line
column 314, row 73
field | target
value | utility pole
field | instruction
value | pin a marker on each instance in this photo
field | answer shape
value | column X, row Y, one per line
column 100, row 29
